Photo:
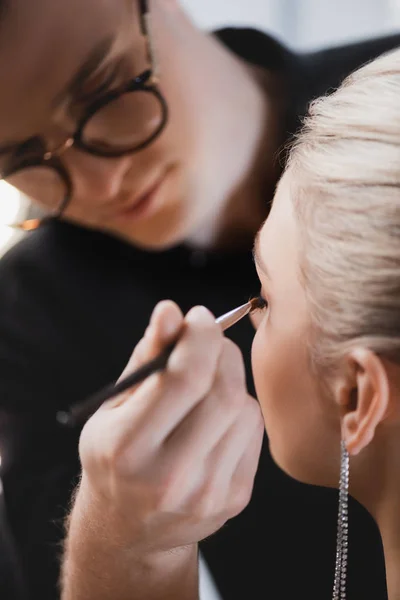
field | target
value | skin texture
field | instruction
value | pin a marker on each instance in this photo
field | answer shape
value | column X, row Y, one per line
column 183, row 447
column 212, row 196
column 298, row 418
column 207, row 186
column 304, row 420
column 210, row 191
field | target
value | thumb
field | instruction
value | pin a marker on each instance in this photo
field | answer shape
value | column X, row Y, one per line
column 165, row 325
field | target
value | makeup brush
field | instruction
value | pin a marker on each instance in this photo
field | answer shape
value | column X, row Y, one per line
column 80, row 412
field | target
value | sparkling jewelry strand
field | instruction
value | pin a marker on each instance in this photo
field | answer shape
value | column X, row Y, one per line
column 342, row 542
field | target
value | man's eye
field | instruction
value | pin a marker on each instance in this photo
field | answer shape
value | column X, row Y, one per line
column 92, row 92
column 98, row 85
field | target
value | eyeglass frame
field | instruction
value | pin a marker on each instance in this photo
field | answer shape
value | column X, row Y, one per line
column 145, row 82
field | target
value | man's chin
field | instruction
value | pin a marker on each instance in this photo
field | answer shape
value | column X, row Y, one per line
column 159, row 235
column 151, row 241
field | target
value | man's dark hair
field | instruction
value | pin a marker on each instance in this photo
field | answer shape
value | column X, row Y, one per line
column 4, row 6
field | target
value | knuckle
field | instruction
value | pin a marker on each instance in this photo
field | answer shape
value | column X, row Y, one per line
column 94, row 456
column 240, row 499
column 85, row 453
column 182, row 382
column 207, row 505
column 161, row 499
column 232, row 397
column 170, row 487
column 113, row 457
column 204, row 502
column 118, row 455
column 237, row 399
column 254, row 413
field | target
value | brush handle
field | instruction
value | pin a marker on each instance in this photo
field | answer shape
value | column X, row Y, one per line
column 79, row 413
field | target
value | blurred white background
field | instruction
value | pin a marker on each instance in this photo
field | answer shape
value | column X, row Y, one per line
column 302, row 24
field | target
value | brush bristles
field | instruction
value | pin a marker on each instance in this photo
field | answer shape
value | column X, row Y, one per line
column 256, row 303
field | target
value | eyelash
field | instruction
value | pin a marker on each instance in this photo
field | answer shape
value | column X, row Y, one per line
column 259, row 303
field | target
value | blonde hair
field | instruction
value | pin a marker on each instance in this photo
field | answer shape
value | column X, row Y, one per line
column 346, row 191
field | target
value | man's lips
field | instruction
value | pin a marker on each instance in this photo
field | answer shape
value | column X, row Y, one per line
column 141, row 202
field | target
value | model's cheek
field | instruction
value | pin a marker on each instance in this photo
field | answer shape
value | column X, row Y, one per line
column 259, row 362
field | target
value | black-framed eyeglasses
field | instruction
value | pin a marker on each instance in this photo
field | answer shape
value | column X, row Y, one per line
column 123, row 121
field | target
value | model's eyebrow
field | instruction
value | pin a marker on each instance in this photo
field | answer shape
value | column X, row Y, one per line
column 257, row 255
column 87, row 68
column 93, row 61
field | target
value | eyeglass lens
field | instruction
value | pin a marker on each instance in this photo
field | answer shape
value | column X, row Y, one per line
column 121, row 126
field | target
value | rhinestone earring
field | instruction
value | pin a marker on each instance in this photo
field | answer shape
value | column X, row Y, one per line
column 342, row 540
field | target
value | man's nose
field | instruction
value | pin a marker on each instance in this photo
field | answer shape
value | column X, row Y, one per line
column 96, row 180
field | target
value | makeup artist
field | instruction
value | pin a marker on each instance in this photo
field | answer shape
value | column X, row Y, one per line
column 153, row 147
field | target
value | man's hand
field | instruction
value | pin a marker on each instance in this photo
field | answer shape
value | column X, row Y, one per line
column 168, row 463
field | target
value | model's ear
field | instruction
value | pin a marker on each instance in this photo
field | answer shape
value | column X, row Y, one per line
column 364, row 398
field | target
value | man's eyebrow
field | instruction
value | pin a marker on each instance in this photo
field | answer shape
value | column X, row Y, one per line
column 257, row 255
column 89, row 66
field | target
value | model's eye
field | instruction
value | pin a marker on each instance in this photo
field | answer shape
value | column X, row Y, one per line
column 258, row 313
column 259, row 303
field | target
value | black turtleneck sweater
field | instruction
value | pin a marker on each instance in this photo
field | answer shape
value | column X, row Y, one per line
column 73, row 304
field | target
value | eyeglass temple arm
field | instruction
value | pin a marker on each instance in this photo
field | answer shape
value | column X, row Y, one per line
column 145, row 26
column 144, row 11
